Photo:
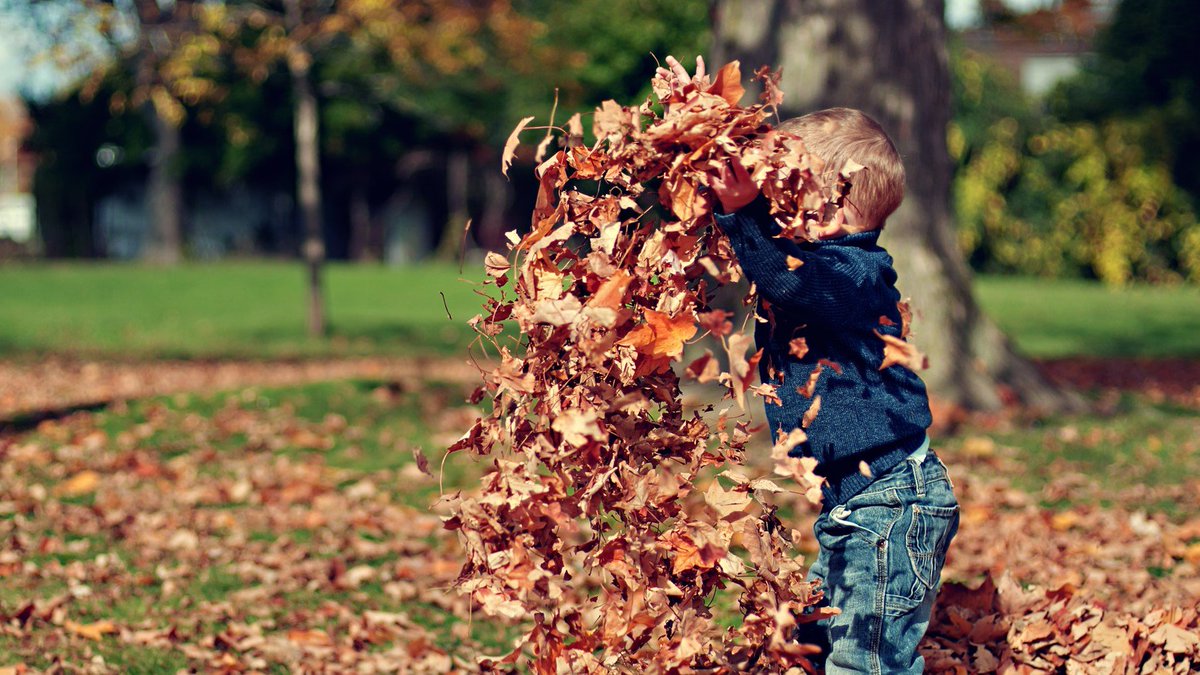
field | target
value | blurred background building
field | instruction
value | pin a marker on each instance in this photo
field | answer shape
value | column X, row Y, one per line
column 17, row 212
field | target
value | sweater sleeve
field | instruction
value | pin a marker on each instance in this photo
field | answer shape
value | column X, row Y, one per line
column 830, row 286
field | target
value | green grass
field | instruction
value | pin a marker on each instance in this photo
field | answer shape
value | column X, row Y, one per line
column 1054, row 318
column 240, row 309
column 256, row 309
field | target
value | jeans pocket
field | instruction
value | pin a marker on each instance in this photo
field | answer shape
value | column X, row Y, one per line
column 929, row 536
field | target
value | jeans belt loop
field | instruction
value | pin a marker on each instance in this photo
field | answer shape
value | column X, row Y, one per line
column 918, row 478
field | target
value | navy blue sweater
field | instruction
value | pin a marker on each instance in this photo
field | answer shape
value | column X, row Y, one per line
column 835, row 301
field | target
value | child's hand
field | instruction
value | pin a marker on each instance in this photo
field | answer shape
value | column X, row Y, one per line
column 733, row 186
column 675, row 80
column 681, row 73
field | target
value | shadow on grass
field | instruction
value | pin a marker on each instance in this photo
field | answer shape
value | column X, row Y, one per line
column 28, row 421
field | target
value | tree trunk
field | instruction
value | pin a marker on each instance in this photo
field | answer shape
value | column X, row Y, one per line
column 308, row 191
column 308, row 170
column 458, row 175
column 164, row 192
column 364, row 244
column 497, row 196
column 889, row 60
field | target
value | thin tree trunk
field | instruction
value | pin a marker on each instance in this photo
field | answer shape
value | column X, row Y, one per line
column 308, row 170
column 889, row 59
column 458, row 174
column 164, row 192
column 362, row 237
column 308, row 190
column 497, row 195
column 164, row 185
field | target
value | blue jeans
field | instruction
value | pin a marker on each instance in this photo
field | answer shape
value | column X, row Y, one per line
column 880, row 563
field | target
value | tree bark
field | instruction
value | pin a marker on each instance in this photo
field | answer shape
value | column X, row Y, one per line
column 308, row 170
column 157, row 24
column 497, row 196
column 364, row 242
column 888, row 58
column 164, row 193
column 458, row 175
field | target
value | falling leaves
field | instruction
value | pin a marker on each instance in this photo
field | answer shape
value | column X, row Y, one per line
column 590, row 449
column 901, row 352
column 510, row 145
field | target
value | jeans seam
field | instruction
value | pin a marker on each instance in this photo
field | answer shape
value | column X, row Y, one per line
column 881, row 584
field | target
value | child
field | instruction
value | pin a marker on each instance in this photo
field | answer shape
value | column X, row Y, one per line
column 889, row 512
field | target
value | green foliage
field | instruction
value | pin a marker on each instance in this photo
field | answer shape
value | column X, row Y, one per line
column 1145, row 65
column 1036, row 195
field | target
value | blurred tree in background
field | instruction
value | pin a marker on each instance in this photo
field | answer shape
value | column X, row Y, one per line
column 1146, row 70
column 413, row 100
column 410, row 100
column 1100, row 179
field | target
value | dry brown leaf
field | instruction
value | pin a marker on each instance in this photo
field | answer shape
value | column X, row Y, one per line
column 510, row 145
column 310, row 638
column 81, row 483
column 896, row 351
column 728, row 84
column 811, row 413
column 798, row 347
column 704, row 369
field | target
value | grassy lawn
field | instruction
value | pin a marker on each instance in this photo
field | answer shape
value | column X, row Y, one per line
column 257, row 309
column 1055, row 318
column 250, row 309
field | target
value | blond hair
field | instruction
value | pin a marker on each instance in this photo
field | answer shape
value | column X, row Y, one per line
column 840, row 135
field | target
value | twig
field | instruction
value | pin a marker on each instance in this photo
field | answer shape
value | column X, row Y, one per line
column 462, row 249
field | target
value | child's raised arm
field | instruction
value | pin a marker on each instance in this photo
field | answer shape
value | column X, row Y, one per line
column 829, row 287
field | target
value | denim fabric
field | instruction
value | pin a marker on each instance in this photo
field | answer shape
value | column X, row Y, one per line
column 880, row 563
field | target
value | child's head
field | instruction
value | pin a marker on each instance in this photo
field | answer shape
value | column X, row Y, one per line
column 838, row 135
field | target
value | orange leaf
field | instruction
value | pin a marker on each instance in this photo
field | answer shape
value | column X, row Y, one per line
column 91, row 631
column 611, row 293
column 728, row 84
column 661, row 335
column 310, row 638
column 80, row 484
